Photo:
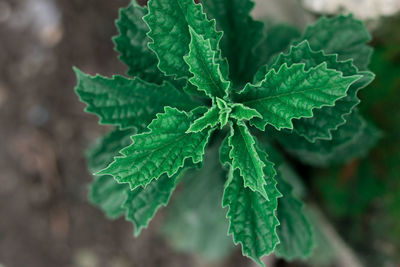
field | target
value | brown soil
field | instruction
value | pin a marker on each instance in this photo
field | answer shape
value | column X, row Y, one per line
column 45, row 218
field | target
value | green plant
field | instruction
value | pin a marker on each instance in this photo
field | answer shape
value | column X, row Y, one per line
column 196, row 87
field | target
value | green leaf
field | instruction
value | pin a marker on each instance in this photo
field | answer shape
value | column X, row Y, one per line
column 102, row 151
column 326, row 119
column 132, row 42
column 169, row 23
column 242, row 36
column 224, row 150
column 209, row 119
column 108, row 195
column 253, row 220
column 196, row 212
column 141, row 204
column 207, row 75
column 163, row 150
column 278, row 39
column 241, row 112
column 245, row 158
column 342, row 35
column 295, row 231
column 104, row 191
column 293, row 93
column 128, row 102
column 351, row 140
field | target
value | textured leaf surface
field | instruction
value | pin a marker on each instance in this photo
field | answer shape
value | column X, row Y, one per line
column 163, row 150
column 127, row 102
column 253, row 220
column 195, row 221
column 207, row 75
column 246, row 159
column 104, row 191
column 242, row 35
column 115, row 199
column 169, row 22
column 132, row 42
column 327, row 118
column 293, row 93
column 241, row 112
column 351, row 140
column 141, row 204
column 295, row 232
column 209, row 119
column 342, row 35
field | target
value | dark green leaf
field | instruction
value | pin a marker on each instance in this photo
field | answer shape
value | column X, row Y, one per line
column 328, row 118
column 245, row 158
column 132, row 42
column 253, row 220
column 342, row 35
column 163, row 150
column 195, row 221
column 169, row 23
column 206, row 72
column 128, row 102
column 295, row 232
column 293, row 92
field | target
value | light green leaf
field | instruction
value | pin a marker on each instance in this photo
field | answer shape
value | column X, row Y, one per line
column 163, row 150
column 293, row 93
column 342, row 35
column 245, row 158
column 351, row 140
column 195, row 221
column 132, row 42
column 206, row 72
column 253, row 220
column 104, row 191
column 295, row 231
column 209, row 119
column 224, row 152
column 329, row 118
column 128, row 102
column 169, row 23
column 242, row 36
column 241, row 112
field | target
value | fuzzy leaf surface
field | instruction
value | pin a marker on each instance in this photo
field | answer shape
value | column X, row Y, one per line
column 246, row 159
column 115, row 199
column 163, row 150
column 342, row 35
column 206, row 72
column 253, row 220
column 328, row 118
column 132, row 42
column 169, row 23
column 295, row 231
column 209, row 119
column 293, row 92
column 241, row 112
column 128, row 102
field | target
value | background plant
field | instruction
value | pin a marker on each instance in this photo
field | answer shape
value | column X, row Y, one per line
column 189, row 98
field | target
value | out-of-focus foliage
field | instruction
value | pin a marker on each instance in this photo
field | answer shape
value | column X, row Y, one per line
column 363, row 197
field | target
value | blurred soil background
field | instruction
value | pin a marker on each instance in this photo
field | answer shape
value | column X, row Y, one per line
column 45, row 218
